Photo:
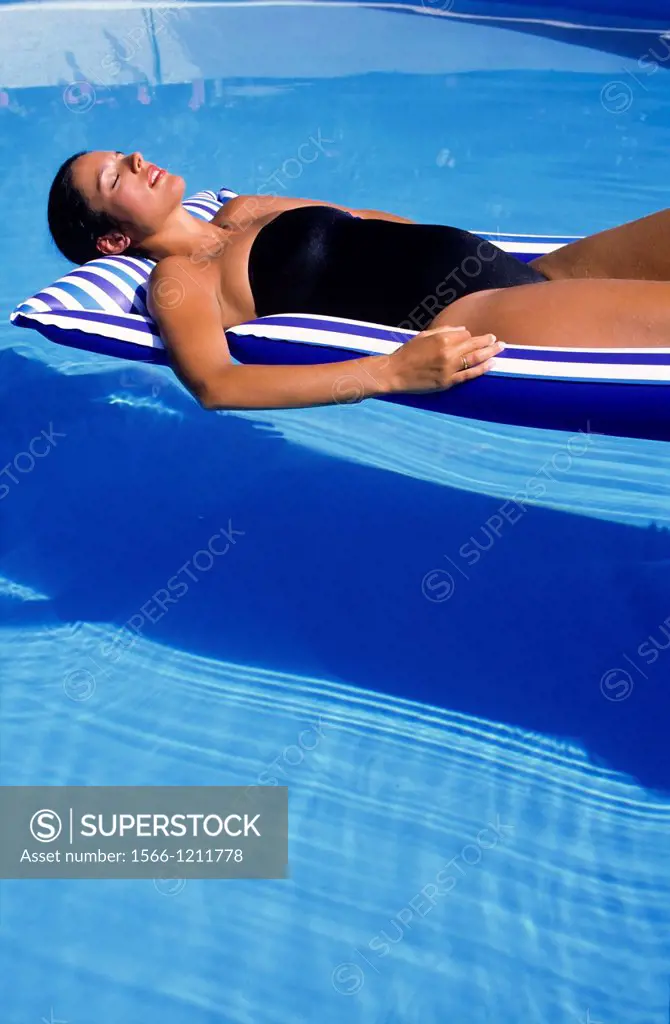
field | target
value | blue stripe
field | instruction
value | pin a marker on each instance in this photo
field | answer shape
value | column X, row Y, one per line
column 78, row 294
column 142, row 324
column 106, row 346
column 634, row 409
column 142, row 266
column 314, row 323
column 120, row 266
column 589, row 356
column 139, row 307
column 121, row 263
column 122, row 271
column 520, row 375
column 247, row 348
column 205, row 209
column 202, row 200
column 105, row 286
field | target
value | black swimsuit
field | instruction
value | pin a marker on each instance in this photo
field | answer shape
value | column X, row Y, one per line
column 317, row 259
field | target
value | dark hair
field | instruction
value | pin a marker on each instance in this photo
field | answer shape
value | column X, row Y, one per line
column 74, row 226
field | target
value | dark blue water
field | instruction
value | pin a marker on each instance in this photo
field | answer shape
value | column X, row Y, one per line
column 460, row 674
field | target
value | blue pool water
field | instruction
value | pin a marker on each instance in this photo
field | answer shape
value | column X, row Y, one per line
column 454, row 679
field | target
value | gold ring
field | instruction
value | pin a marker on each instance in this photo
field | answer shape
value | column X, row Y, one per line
column 466, row 364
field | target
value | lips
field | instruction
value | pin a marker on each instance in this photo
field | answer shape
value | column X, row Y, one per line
column 155, row 174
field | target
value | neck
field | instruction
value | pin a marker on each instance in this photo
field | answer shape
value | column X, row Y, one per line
column 188, row 236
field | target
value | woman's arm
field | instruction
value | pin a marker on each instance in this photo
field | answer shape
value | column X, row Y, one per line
column 243, row 209
column 189, row 318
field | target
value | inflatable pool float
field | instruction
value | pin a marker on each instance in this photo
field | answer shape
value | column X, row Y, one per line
column 101, row 307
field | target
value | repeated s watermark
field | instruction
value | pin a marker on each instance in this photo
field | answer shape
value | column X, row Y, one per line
column 278, row 771
column 80, row 683
column 439, row 584
column 169, row 292
column 618, row 683
column 24, row 462
column 618, row 96
column 81, row 95
column 349, row 976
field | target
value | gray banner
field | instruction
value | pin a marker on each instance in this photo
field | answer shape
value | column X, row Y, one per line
column 159, row 832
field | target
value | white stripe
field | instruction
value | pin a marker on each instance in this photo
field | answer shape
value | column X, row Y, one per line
column 95, row 291
column 258, row 325
column 620, row 372
column 204, row 201
column 541, row 248
column 195, row 212
column 205, row 215
column 315, row 320
column 559, row 239
column 312, row 336
column 33, row 304
column 206, row 197
column 137, row 270
column 113, row 278
column 582, row 349
column 101, row 329
column 64, row 298
column 509, row 365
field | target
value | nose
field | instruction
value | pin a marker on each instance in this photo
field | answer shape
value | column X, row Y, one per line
column 136, row 162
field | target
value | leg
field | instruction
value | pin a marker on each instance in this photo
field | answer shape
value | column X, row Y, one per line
column 639, row 250
column 569, row 314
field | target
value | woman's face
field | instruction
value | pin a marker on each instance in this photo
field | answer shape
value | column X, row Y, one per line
column 137, row 194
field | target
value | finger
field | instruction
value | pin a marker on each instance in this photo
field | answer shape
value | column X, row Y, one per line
column 475, row 357
column 471, row 344
column 445, row 329
column 478, row 361
column 461, row 376
column 480, row 355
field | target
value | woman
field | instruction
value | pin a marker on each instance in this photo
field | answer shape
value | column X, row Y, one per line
column 263, row 254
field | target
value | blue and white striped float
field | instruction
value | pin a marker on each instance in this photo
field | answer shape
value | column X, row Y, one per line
column 101, row 307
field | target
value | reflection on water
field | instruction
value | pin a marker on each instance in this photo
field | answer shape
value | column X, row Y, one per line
column 431, row 854
column 466, row 709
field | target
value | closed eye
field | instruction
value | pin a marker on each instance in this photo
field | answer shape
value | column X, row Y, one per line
column 118, row 153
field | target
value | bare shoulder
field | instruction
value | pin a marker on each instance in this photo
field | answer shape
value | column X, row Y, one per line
column 169, row 267
column 176, row 285
column 244, row 210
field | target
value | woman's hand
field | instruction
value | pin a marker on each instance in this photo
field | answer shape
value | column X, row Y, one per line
column 440, row 357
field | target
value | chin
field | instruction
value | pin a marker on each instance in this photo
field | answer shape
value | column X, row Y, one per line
column 169, row 193
column 176, row 185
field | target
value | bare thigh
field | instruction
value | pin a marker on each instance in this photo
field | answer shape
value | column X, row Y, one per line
column 639, row 250
column 583, row 314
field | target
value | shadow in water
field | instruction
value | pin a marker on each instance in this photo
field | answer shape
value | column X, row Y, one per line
column 552, row 631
